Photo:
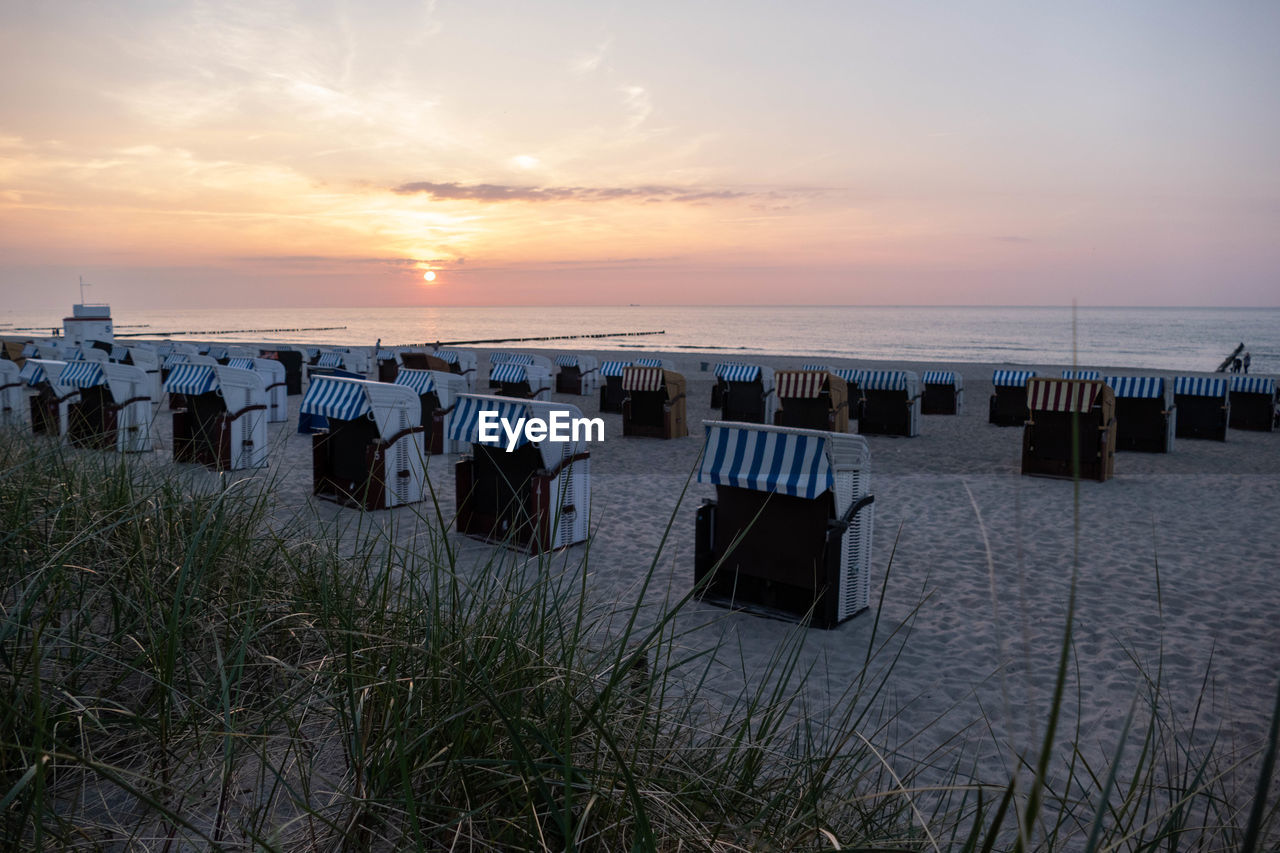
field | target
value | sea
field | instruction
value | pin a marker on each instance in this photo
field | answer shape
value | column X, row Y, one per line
column 1191, row 339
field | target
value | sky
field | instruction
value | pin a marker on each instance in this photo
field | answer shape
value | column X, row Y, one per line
column 185, row 154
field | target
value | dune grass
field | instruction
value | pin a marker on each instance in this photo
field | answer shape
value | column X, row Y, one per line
column 179, row 670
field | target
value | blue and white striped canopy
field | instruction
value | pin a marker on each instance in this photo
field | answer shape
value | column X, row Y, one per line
column 1253, row 385
column 790, row 463
column 335, row 397
column 938, row 377
column 1200, row 386
column 510, row 358
column 118, row 352
column 882, row 380
column 567, row 360
column 420, row 381
column 1081, row 374
column 1145, row 387
column 508, row 372
column 217, row 353
column 385, row 355
column 447, row 355
column 242, row 363
column 613, row 368
column 738, row 372
column 1011, row 378
column 330, row 359
column 312, row 352
column 173, row 359
column 82, row 374
column 465, row 425
column 849, row 374
column 191, row 379
column 817, row 367
column 32, row 373
column 649, row 362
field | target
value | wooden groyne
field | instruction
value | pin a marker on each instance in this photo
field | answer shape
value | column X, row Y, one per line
column 230, row 332
column 543, row 338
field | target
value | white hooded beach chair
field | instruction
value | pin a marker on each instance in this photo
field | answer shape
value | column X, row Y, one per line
column 223, row 422
column 890, row 402
column 538, row 496
column 1008, row 406
column 371, row 455
column 611, row 392
column 113, row 411
column 1146, row 417
column 789, row 532
column 273, row 374
column 460, row 362
column 1204, row 406
column 52, row 401
column 719, row 387
column 526, row 381
column 540, row 365
column 11, row 393
column 1253, row 403
column 577, row 374
column 438, row 394
column 943, row 393
column 749, row 394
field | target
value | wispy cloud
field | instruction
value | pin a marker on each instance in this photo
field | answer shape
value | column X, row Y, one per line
column 507, row 192
column 638, row 104
column 589, row 62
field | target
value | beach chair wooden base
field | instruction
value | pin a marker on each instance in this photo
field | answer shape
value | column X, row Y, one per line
column 570, row 380
column 717, row 394
column 1047, row 446
column 292, row 361
column 202, row 432
column 388, row 370
column 772, row 554
column 885, row 413
column 650, row 414
column 1142, row 425
column 1202, row 417
column 1008, row 407
column 1254, row 412
column 938, row 400
column 611, row 394
column 91, row 423
column 744, row 402
column 508, row 498
column 349, row 464
column 46, row 413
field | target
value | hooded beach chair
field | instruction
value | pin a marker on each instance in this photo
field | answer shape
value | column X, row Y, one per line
column 11, row 392
column 538, row 496
column 460, row 362
column 1008, row 406
column 437, row 393
column 577, row 374
column 52, row 401
column 388, row 364
column 538, row 364
column 1204, row 406
column 113, row 410
column 308, row 423
column 719, row 387
column 1146, row 419
column 423, row 361
column 943, row 393
column 812, row 399
column 223, row 423
column 525, row 381
column 148, row 360
column 889, row 402
column 749, row 395
column 611, row 393
column 273, row 374
column 654, row 405
column 291, row 360
column 789, row 532
column 1071, row 422
column 371, row 454
column 1253, row 402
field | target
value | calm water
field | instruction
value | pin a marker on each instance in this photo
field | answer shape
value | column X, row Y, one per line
column 1163, row 338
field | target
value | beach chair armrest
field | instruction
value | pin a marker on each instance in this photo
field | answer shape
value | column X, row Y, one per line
column 846, row 519
column 129, row 402
column 677, row 397
column 402, row 433
column 246, row 410
column 11, row 385
column 277, row 385
column 577, row 457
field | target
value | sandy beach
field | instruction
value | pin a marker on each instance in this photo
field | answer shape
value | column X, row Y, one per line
column 975, row 599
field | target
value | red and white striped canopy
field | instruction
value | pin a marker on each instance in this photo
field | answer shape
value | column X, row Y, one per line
column 642, row 379
column 800, row 383
column 1062, row 395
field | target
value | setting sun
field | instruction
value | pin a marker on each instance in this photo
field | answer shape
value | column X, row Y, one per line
column 429, row 275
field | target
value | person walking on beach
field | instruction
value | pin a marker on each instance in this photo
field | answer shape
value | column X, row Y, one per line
column 1235, row 365
column 1245, row 362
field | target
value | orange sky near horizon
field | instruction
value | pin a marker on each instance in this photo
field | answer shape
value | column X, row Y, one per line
column 292, row 154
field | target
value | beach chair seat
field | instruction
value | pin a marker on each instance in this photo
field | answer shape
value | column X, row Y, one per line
column 749, row 394
column 535, row 497
column 943, row 393
column 438, row 392
column 113, row 410
column 889, row 402
column 611, row 392
column 812, row 399
column 1204, row 407
column 655, row 403
column 1070, row 430
column 223, row 422
column 1146, row 416
column 1008, row 405
column 788, row 534
column 273, row 375
column 1253, row 403
column 371, row 453
column 577, row 374
column 523, row 381
column 291, row 360
column 460, row 362
column 50, row 405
